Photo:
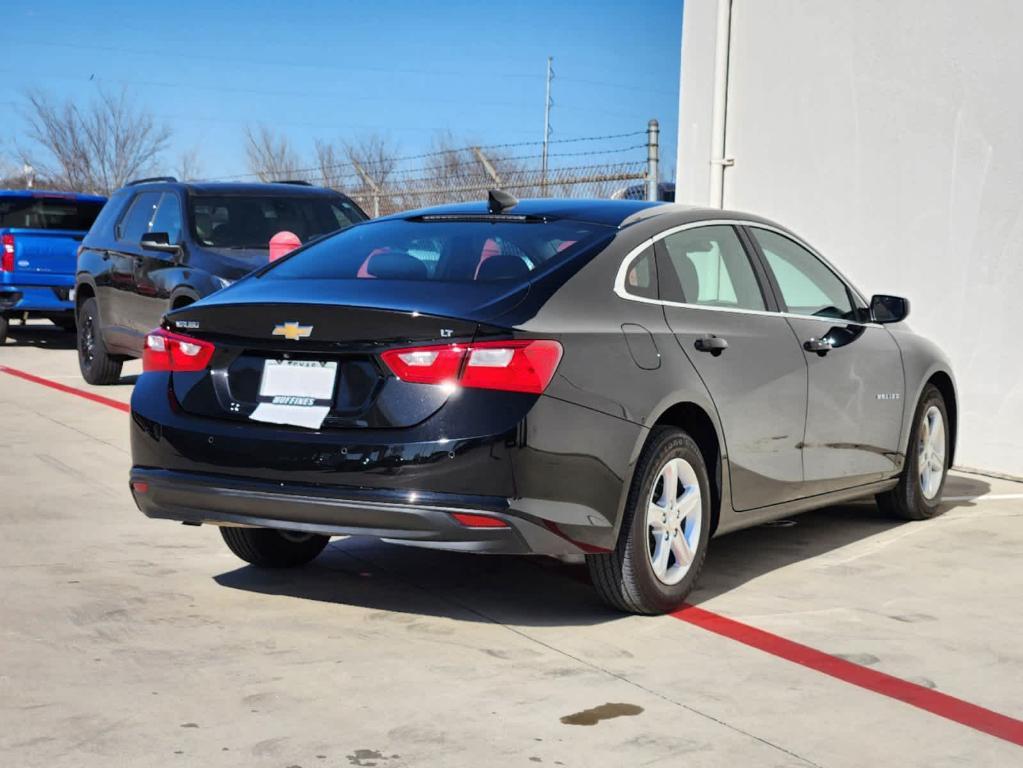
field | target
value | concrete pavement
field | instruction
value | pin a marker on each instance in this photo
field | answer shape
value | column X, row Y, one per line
column 131, row 642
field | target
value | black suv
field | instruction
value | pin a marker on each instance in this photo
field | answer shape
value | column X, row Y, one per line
column 160, row 244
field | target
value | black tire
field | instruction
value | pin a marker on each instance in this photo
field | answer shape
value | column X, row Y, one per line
column 625, row 578
column 907, row 499
column 4, row 325
column 96, row 365
column 65, row 323
column 270, row 548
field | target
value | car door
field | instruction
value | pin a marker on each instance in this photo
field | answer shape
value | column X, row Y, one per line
column 856, row 383
column 720, row 309
column 122, row 303
column 152, row 286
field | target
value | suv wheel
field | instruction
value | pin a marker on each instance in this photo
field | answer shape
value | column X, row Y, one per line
column 270, row 548
column 664, row 535
column 96, row 365
column 918, row 494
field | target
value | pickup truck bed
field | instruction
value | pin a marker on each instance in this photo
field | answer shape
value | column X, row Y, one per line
column 39, row 237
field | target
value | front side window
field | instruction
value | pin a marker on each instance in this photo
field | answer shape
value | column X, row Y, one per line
column 136, row 220
column 708, row 266
column 807, row 285
column 168, row 217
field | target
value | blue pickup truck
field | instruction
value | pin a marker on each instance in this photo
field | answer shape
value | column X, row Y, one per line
column 39, row 236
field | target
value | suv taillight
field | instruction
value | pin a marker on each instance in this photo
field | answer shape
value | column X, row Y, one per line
column 7, row 253
column 167, row 351
column 512, row 366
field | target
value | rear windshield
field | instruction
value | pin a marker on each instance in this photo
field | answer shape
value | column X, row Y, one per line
column 47, row 213
column 459, row 250
column 249, row 221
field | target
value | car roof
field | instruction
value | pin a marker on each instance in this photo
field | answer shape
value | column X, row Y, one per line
column 238, row 188
column 610, row 212
column 78, row 196
column 615, row 213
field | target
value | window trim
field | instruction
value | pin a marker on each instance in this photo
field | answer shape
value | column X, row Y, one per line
column 619, row 283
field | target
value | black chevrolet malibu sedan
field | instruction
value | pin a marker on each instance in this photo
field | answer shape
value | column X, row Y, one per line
column 619, row 379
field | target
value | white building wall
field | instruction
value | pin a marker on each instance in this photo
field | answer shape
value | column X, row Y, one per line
column 888, row 133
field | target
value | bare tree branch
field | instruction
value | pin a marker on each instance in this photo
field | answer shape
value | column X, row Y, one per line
column 189, row 168
column 270, row 155
column 96, row 147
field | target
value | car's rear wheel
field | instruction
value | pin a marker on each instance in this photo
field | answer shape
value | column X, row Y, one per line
column 270, row 548
column 918, row 494
column 96, row 365
column 664, row 534
column 4, row 325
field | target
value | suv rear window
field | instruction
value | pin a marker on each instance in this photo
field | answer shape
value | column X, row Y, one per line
column 47, row 213
column 249, row 221
column 446, row 249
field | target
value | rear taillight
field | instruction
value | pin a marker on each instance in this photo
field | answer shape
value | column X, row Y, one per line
column 7, row 252
column 513, row 366
column 167, row 351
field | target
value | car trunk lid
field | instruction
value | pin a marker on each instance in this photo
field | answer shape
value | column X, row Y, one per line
column 342, row 326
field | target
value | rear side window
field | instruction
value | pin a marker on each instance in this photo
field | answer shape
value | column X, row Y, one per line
column 42, row 212
column 641, row 275
column 137, row 218
column 708, row 266
column 450, row 250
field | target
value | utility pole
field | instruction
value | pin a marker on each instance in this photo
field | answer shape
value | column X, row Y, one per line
column 546, row 125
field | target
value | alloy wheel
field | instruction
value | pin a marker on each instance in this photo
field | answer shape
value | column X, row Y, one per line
column 931, row 452
column 88, row 340
column 674, row 518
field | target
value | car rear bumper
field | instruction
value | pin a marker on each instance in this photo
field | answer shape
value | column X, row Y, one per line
column 556, row 477
column 35, row 298
column 404, row 517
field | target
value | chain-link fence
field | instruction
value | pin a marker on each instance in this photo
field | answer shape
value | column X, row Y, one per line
column 616, row 165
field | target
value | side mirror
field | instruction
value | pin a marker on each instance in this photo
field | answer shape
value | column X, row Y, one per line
column 888, row 309
column 159, row 241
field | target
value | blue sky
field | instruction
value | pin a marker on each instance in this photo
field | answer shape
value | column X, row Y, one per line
column 336, row 70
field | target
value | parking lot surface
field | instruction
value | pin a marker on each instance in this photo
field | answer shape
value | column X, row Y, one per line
column 131, row 642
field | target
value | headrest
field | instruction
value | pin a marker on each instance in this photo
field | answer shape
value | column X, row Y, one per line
column 395, row 265
column 689, row 277
column 502, row 267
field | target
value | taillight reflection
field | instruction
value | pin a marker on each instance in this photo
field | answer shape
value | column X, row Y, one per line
column 168, row 351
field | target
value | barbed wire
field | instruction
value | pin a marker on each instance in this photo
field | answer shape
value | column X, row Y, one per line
column 447, row 152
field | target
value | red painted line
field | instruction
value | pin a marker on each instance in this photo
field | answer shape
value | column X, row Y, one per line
column 941, row 704
column 937, row 703
column 65, row 388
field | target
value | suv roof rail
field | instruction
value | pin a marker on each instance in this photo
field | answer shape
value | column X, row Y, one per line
column 301, row 182
column 133, row 182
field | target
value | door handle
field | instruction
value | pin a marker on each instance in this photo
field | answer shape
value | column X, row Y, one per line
column 713, row 344
column 821, row 346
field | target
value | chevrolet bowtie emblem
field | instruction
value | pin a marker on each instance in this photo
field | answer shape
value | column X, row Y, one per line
column 292, row 331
